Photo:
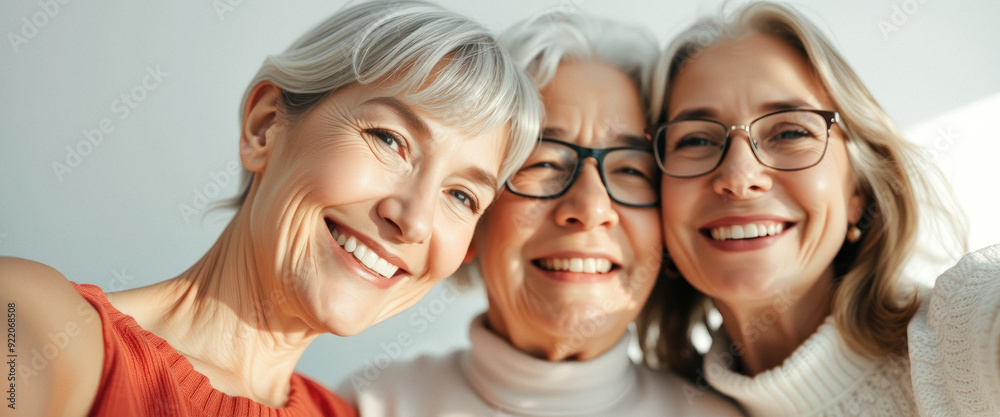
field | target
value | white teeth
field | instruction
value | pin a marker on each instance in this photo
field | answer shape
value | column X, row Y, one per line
column 381, row 265
column 370, row 259
column 360, row 251
column 585, row 265
column 364, row 254
column 746, row 231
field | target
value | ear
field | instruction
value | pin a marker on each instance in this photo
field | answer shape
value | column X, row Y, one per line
column 856, row 206
column 258, row 117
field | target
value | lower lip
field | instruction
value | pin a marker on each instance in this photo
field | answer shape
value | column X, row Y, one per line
column 348, row 260
column 745, row 245
column 576, row 277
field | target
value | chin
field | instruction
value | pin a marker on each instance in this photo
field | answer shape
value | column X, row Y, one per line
column 579, row 320
column 344, row 318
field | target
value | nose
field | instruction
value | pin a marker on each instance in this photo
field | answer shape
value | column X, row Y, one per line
column 586, row 204
column 410, row 209
column 741, row 176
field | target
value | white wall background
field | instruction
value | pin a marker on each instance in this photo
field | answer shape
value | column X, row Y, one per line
column 114, row 219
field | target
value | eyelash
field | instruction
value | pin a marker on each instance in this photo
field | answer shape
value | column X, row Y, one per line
column 473, row 203
column 383, row 134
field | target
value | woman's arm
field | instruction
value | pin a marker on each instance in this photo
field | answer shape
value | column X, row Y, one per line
column 54, row 343
column 954, row 340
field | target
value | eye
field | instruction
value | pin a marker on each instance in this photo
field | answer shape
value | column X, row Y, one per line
column 391, row 140
column 466, row 199
column 793, row 132
column 693, row 142
column 632, row 172
column 543, row 165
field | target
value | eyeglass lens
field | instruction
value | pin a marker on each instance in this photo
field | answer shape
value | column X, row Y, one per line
column 787, row 141
column 630, row 175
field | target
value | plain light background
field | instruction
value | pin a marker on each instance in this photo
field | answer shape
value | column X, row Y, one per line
column 116, row 218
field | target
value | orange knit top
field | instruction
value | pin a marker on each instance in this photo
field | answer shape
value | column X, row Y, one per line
column 143, row 376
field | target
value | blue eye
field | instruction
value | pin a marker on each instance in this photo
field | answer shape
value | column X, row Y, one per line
column 387, row 138
column 466, row 199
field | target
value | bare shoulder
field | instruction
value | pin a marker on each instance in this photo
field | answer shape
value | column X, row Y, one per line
column 54, row 338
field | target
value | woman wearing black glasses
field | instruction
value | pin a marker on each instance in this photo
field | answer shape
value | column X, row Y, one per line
column 568, row 254
column 791, row 202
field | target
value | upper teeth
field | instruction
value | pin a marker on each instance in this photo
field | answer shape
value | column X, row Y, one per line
column 588, row 265
column 364, row 254
column 746, row 231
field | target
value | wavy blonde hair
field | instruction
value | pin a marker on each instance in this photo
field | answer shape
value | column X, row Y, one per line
column 891, row 173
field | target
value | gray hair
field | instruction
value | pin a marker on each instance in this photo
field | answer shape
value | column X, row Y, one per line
column 479, row 87
column 540, row 43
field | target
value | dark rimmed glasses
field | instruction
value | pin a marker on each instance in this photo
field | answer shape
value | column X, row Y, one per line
column 786, row 140
column 629, row 173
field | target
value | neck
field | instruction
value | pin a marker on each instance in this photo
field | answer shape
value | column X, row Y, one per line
column 573, row 345
column 766, row 332
column 232, row 326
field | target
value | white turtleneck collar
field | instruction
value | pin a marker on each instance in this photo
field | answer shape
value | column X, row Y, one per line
column 814, row 376
column 514, row 381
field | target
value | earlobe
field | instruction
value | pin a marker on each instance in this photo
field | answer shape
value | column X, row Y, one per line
column 259, row 116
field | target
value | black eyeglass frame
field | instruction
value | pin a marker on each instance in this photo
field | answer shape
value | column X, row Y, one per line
column 829, row 116
column 582, row 153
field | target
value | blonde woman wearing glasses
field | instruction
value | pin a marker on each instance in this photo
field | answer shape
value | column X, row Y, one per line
column 791, row 204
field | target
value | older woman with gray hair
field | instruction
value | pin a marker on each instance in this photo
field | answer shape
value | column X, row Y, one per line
column 568, row 254
column 374, row 144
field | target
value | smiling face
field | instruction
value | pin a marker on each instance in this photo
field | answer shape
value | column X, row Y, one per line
column 529, row 248
column 360, row 206
column 805, row 213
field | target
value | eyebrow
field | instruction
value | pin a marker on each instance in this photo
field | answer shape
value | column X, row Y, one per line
column 619, row 140
column 482, row 177
column 404, row 112
column 768, row 107
column 478, row 175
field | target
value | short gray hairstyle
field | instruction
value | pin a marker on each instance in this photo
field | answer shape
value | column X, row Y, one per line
column 540, row 43
column 479, row 87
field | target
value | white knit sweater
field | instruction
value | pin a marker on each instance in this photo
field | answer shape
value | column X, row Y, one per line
column 496, row 379
column 952, row 367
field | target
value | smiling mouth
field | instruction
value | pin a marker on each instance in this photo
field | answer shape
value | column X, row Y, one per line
column 583, row 265
column 362, row 253
column 746, row 231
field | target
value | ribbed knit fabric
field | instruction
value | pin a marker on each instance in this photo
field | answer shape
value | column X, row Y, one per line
column 952, row 367
column 496, row 379
column 143, row 376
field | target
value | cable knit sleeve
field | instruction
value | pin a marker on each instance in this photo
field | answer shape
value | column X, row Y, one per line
column 954, row 340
